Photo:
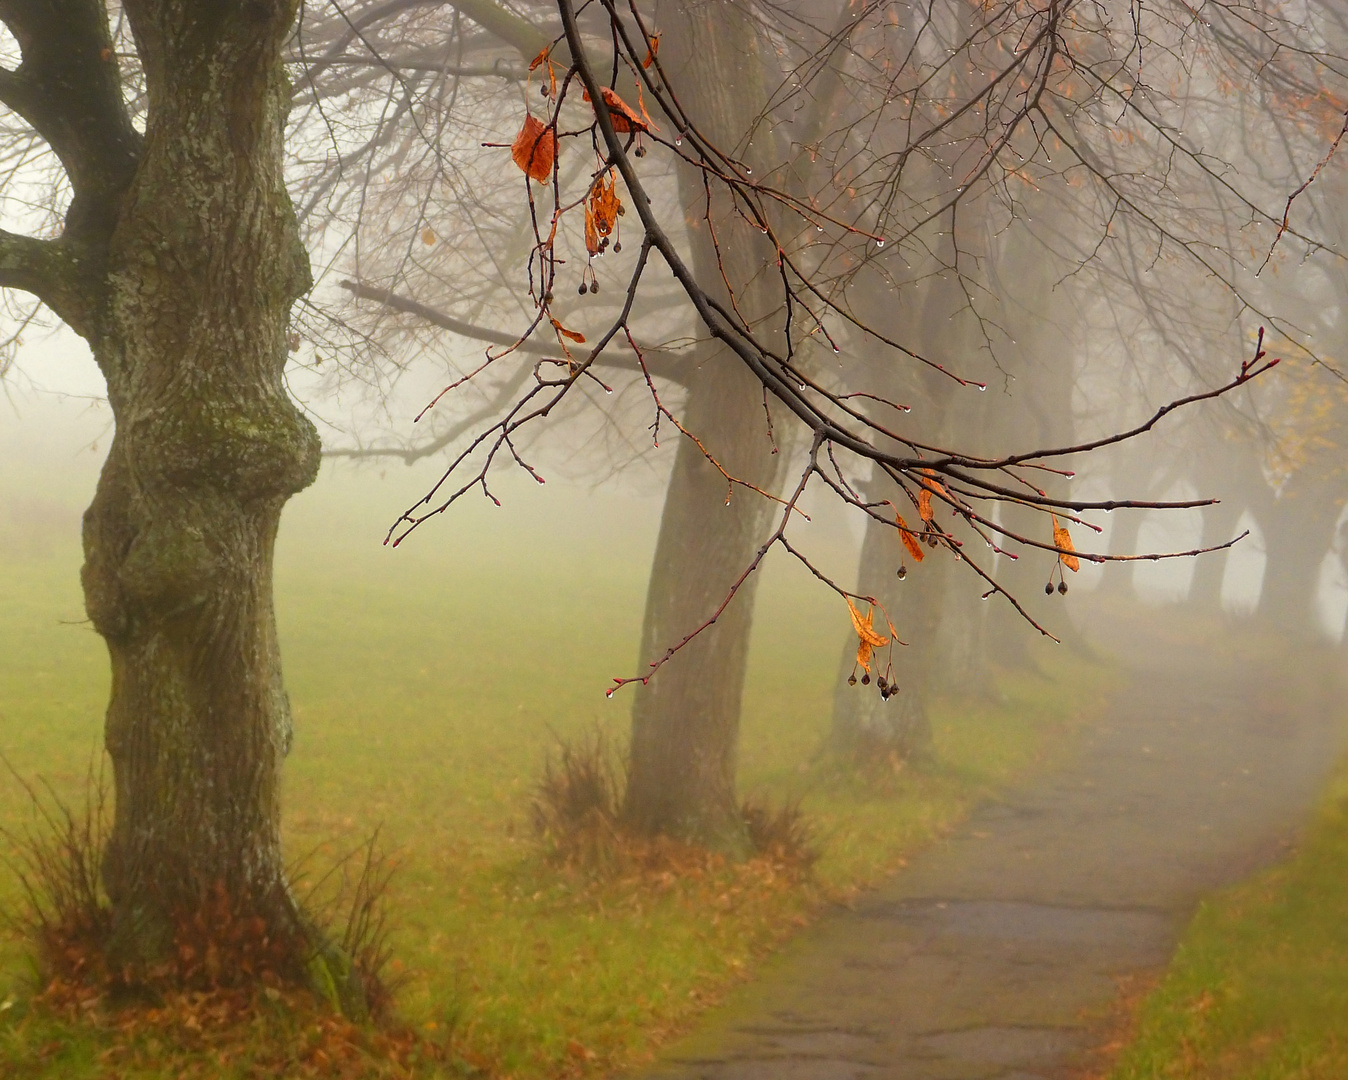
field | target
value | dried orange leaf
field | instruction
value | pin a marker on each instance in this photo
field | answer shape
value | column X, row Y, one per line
column 540, row 58
column 924, row 505
column 653, row 50
column 591, row 231
column 577, row 338
column 535, row 148
column 624, row 119
column 1062, row 540
column 864, row 655
column 862, row 625
column 909, row 540
column 604, row 203
column 428, row 236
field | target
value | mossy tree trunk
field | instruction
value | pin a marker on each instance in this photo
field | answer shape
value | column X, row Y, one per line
column 188, row 261
column 685, row 724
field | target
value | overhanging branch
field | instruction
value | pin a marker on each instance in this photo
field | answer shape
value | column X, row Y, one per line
column 662, row 363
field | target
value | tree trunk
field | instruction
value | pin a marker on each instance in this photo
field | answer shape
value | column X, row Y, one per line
column 866, row 727
column 1236, row 478
column 685, row 723
column 1298, row 532
column 1035, row 411
column 205, row 264
column 1219, row 526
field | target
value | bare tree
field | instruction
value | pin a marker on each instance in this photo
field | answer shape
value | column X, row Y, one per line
column 987, row 114
column 178, row 262
column 180, row 257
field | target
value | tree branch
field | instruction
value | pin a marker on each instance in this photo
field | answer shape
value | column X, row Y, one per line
column 69, row 89
column 510, row 28
column 662, row 363
column 52, row 271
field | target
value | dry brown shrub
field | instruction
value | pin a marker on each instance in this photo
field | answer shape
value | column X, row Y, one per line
column 577, row 816
column 781, row 834
column 64, row 913
column 577, row 804
column 355, row 915
column 224, row 953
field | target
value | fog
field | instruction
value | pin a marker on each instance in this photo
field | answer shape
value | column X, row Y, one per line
column 873, row 472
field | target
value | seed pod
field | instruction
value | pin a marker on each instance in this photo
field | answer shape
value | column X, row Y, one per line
column 594, row 286
column 617, row 246
column 866, row 679
column 1062, row 587
column 851, row 680
column 902, row 571
column 583, row 289
column 1048, row 589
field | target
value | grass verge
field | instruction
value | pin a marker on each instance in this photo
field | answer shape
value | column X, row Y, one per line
column 1258, row 988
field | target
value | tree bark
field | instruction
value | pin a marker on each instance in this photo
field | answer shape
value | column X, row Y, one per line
column 1298, row 532
column 685, row 722
column 204, row 264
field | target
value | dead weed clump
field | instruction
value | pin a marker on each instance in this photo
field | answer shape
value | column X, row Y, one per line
column 577, row 804
column 349, row 905
column 64, row 912
column 230, row 988
column 782, row 835
column 577, row 817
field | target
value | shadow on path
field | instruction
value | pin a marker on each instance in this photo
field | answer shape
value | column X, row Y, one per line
column 995, row 955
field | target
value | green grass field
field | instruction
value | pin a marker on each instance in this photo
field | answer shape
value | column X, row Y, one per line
column 1258, row 989
column 428, row 685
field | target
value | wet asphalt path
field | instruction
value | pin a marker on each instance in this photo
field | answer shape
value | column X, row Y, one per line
column 995, row 955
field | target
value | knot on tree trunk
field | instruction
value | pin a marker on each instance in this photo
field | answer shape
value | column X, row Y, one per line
column 254, row 449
